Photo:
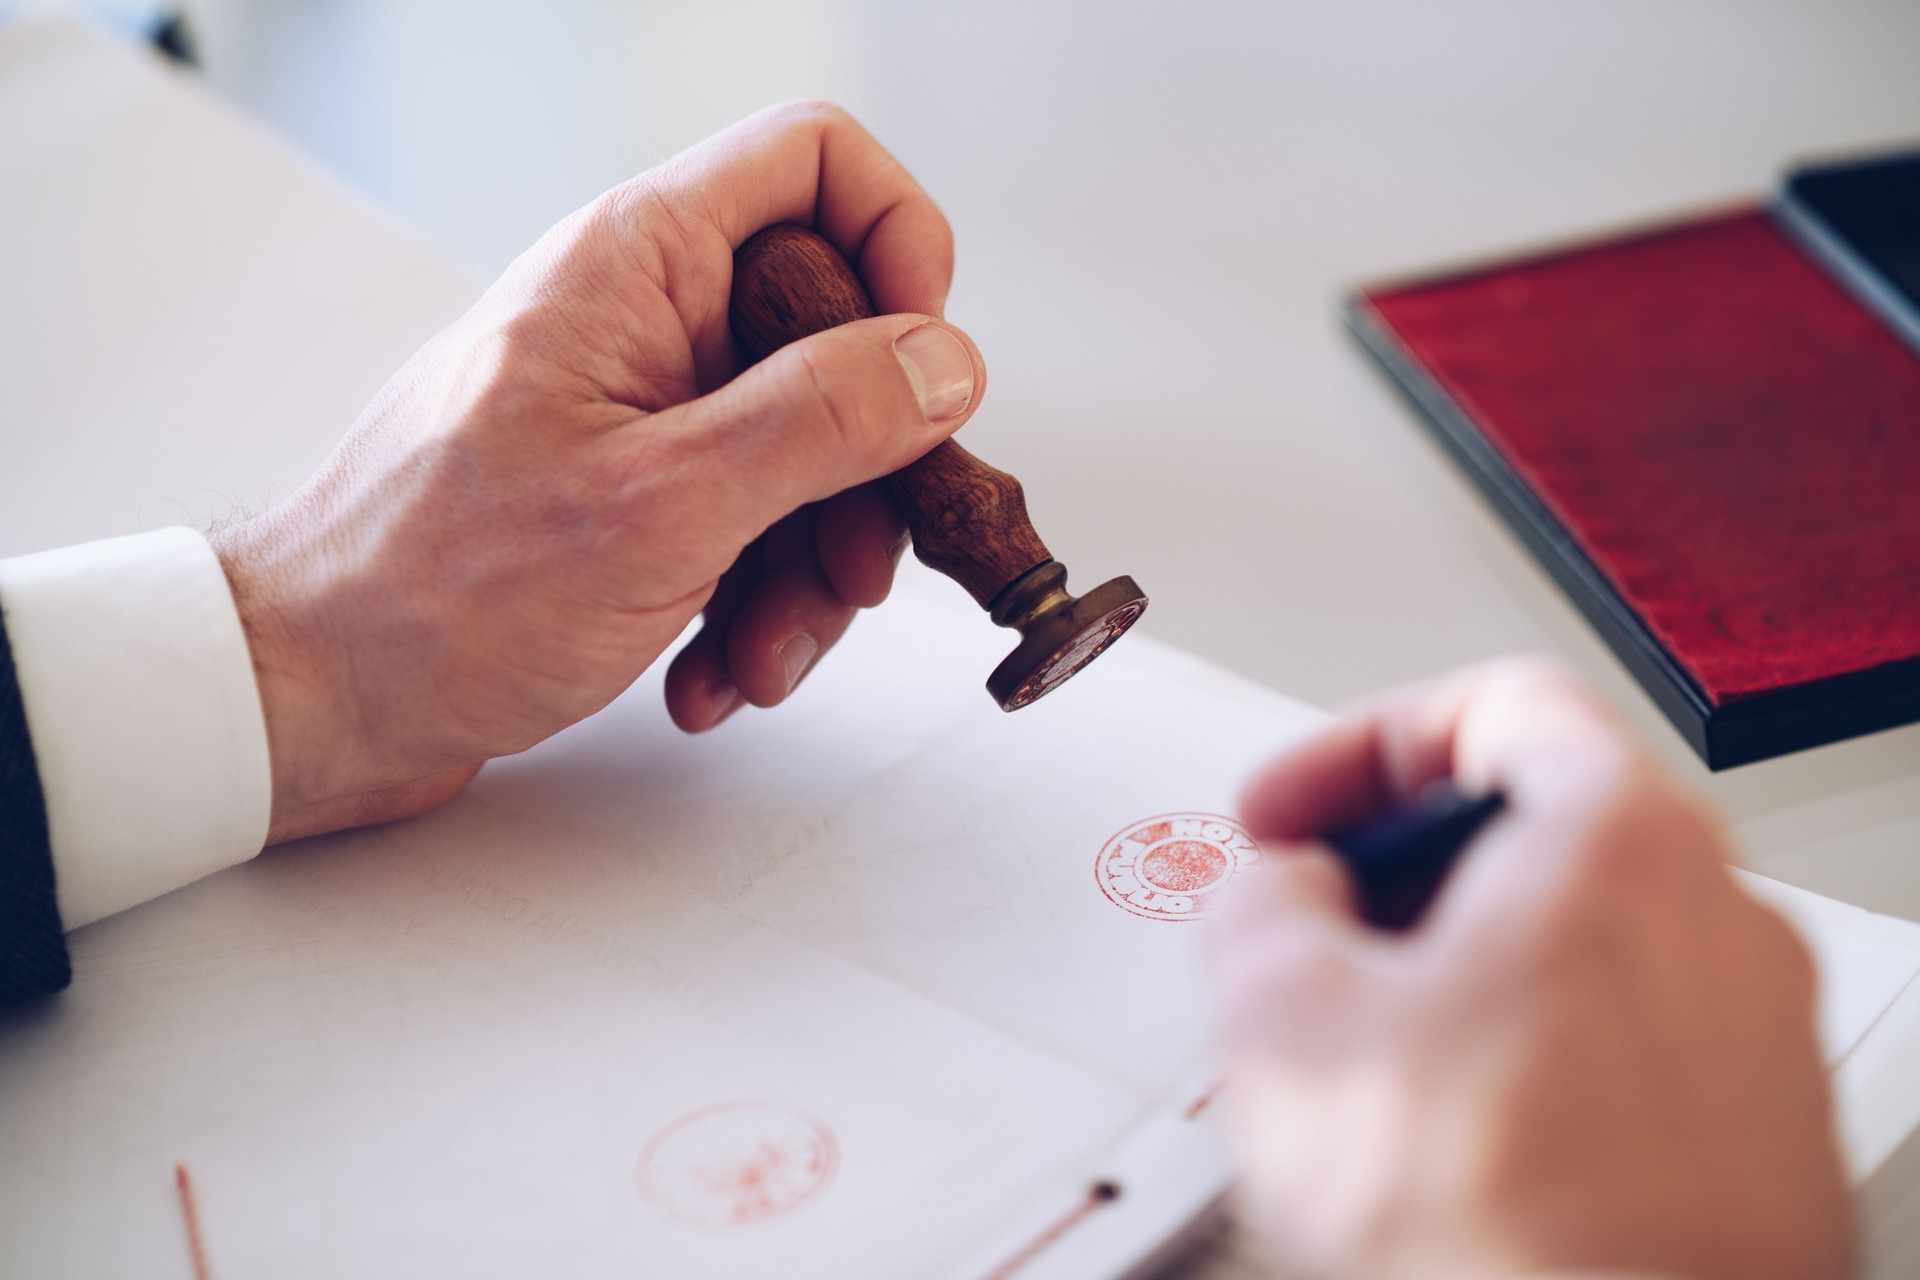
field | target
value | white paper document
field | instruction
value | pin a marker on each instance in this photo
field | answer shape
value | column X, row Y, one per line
column 877, row 984
column 882, row 983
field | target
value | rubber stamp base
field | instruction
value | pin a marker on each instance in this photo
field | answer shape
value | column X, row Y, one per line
column 1059, row 633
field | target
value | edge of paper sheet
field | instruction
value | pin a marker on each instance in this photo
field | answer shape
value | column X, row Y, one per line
column 1877, row 1096
column 1173, row 1171
column 1876, row 1090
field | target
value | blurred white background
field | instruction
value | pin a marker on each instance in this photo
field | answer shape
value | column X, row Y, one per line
column 1210, row 126
column 1156, row 208
column 1156, row 205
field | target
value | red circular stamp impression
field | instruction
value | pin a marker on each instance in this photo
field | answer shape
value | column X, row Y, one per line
column 736, row 1164
column 1170, row 867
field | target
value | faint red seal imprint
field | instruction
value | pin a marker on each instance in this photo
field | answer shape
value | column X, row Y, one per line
column 1170, row 867
column 735, row 1164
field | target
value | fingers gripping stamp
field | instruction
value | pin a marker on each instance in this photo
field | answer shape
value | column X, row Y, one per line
column 969, row 520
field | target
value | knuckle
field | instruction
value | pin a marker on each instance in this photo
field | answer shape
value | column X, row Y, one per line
column 1525, row 678
column 1640, row 826
column 533, row 337
column 640, row 220
column 1538, row 683
column 1532, row 668
column 1642, row 852
column 840, row 423
column 813, row 114
column 623, row 209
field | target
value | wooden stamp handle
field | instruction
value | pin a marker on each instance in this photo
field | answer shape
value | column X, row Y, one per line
column 968, row 520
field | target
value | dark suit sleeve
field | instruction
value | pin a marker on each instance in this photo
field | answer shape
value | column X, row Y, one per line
column 33, row 948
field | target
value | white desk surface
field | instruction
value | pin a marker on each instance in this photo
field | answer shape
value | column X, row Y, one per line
column 1155, row 207
column 1156, row 216
column 1154, row 219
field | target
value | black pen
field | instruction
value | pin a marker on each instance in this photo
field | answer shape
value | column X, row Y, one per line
column 1400, row 859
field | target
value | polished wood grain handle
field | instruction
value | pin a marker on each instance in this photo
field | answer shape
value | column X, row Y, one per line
column 968, row 520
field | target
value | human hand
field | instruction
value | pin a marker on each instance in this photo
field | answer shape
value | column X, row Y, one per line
column 1595, row 1051
column 539, row 502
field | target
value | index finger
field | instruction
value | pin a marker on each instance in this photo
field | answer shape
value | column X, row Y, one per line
column 1519, row 725
column 811, row 163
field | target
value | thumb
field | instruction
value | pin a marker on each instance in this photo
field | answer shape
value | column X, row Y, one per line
column 1295, row 885
column 1286, row 949
column 820, row 415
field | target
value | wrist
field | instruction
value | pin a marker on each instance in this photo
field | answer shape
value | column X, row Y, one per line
column 308, row 745
column 328, row 773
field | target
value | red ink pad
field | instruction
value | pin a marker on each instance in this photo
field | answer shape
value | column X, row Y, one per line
column 1714, row 449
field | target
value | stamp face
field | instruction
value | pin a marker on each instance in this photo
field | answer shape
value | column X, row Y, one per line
column 1169, row 867
column 1087, row 646
column 737, row 1164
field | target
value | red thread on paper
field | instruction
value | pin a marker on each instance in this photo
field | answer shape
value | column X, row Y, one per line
column 1202, row 1102
column 190, row 1214
column 1098, row 1195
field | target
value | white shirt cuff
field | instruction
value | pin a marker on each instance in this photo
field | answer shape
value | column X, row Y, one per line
column 145, row 719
